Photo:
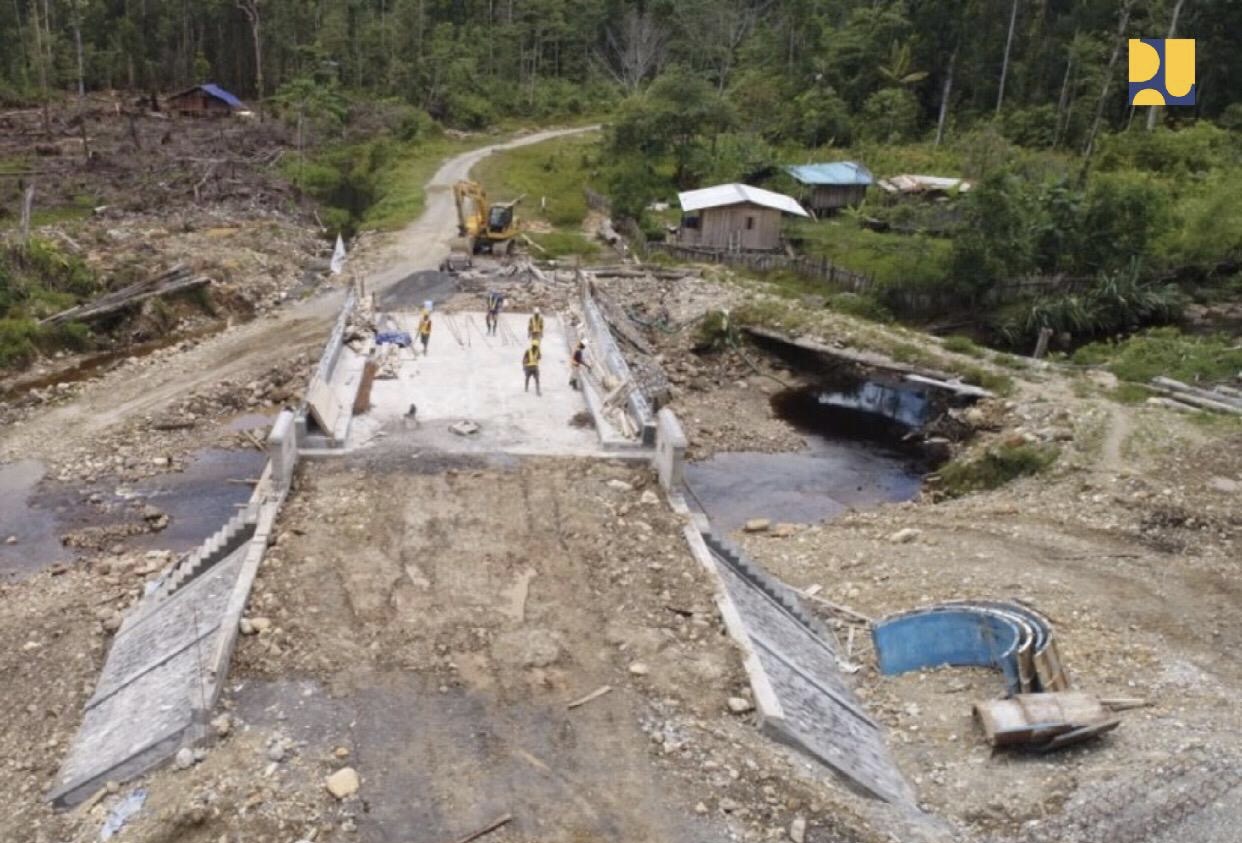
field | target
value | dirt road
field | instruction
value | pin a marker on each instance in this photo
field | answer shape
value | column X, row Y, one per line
column 135, row 390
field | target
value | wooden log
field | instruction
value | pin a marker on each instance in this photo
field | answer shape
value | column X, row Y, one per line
column 98, row 309
column 1202, row 403
column 1208, row 394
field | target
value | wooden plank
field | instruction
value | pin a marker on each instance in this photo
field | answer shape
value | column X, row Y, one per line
column 362, row 401
column 323, row 406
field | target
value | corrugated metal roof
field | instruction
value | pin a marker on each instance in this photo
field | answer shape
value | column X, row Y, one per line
column 834, row 172
column 907, row 183
column 221, row 94
column 723, row 195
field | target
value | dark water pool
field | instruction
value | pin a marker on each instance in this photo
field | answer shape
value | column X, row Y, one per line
column 861, row 452
column 38, row 511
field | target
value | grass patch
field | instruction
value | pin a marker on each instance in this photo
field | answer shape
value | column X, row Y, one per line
column 558, row 244
column 551, row 176
column 962, row 345
column 1010, row 361
column 897, row 260
column 402, row 193
column 1168, row 352
column 860, row 305
column 999, row 383
column 772, row 313
column 994, row 468
column 79, row 209
column 905, row 352
column 1130, row 393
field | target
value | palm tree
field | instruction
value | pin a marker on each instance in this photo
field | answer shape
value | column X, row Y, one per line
column 897, row 70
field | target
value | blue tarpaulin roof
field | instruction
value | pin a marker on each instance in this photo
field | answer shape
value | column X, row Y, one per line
column 221, row 94
column 833, row 173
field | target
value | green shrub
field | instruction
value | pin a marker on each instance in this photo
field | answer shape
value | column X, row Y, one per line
column 1182, row 152
column 862, row 306
column 890, row 115
column 1130, row 393
column 994, row 468
column 962, row 345
column 17, row 338
column 712, row 332
column 557, row 244
column 1168, row 352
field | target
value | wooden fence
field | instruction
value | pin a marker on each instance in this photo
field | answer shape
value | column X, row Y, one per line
column 904, row 301
column 819, row 269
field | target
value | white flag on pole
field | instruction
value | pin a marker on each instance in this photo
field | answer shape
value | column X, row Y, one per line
column 338, row 256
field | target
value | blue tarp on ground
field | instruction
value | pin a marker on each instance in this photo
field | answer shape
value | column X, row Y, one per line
column 402, row 339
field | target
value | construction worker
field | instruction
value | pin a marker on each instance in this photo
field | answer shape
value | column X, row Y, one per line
column 494, row 301
column 578, row 364
column 534, row 328
column 530, row 365
column 424, row 329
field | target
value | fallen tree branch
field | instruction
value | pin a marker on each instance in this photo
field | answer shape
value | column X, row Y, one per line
column 597, row 693
column 488, row 829
column 175, row 280
column 837, row 608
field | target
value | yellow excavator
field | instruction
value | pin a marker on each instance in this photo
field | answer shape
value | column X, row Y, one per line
column 485, row 225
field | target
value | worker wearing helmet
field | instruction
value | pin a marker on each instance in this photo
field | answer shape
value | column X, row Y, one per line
column 578, row 363
column 495, row 300
column 424, row 329
column 530, row 365
column 534, row 328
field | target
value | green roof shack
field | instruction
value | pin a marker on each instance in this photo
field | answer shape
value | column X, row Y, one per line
column 827, row 188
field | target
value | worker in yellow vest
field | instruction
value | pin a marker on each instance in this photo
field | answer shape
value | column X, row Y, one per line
column 534, row 328
column 530, row 365
column 424, row 329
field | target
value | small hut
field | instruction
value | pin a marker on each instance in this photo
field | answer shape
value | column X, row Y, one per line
column 737, row 217
column 827, row 188
column 206, row 100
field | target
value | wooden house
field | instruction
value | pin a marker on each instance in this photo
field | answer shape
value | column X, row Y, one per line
column 827, row 188
column 735, row 217
column 205, row 101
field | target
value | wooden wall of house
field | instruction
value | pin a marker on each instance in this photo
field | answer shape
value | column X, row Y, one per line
column 830, row 197
column 723, row 228
column 198, row 103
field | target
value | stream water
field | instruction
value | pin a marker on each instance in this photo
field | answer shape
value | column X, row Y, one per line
column 37, row 511
column 855, row 458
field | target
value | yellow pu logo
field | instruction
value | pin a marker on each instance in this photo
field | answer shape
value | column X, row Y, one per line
column 1162, row 71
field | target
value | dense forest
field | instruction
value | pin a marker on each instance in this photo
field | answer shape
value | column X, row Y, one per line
column 1027, row 98
column 814, row 70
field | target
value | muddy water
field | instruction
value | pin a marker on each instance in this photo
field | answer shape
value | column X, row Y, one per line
column 200, row 499
column 856, row 457
column 38, row 511
column 37, row 540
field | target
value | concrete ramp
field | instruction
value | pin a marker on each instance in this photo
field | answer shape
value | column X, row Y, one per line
column 800, row 693
column 152, row 694
column 169, row 659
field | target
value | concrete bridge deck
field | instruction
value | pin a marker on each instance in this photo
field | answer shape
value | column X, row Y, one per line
column 468, row 375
